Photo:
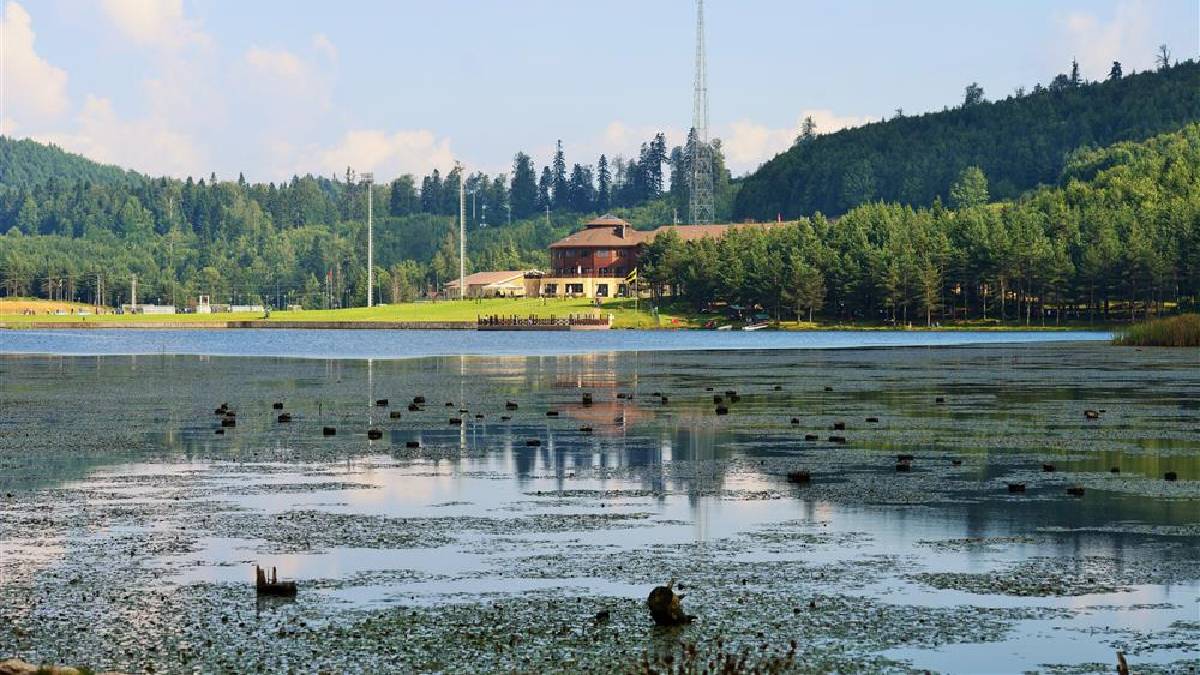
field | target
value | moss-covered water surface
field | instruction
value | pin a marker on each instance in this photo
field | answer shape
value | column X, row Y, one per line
column 472, row 535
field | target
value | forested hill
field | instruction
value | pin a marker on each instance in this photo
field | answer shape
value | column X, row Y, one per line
column 26, row 163
column 1020, row 142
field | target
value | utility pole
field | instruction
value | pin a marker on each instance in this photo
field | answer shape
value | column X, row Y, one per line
column 368, row 179
column 700, row 199
column 462, row 235
column 133, row 294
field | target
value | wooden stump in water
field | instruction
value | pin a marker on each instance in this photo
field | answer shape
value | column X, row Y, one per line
column 374, row 434
column 381, row 402
column 1170, row 476
column 665, row 607
column 328, row 431
column 1016, row 487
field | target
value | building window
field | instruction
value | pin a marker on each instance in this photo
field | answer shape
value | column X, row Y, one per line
column 574, row 288
column 601, row 290
column 551, row 289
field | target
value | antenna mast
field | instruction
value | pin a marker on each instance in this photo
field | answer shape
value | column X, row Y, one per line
column 701, row 210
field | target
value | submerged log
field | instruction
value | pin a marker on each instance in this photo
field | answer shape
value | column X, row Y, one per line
column 272, row 586
column 665, row 607
column 799, row 477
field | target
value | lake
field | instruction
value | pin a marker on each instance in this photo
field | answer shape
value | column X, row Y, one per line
column 472, row 535
column 391, row 344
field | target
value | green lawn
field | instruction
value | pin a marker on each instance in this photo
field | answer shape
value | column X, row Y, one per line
column 447, row 310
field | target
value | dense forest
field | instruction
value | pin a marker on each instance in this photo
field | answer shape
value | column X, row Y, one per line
column 1117, row 239
column 1020, row 142
column 73, row 228
column 999, row 210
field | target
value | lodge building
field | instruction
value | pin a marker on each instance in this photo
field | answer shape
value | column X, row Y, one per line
column 591, row 263
column 594, row 262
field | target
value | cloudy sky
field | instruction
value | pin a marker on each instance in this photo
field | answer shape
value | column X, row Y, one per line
column 277, row 87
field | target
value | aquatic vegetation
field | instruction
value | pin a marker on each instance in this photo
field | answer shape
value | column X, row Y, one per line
column 1174, row 331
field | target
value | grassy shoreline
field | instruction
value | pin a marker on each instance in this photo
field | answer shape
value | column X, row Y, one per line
column 624, row 312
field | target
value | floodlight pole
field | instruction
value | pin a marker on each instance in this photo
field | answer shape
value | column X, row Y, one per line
column 462, row 233
column 368, row 179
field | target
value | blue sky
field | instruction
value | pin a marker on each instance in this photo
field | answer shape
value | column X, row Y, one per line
column 274, row 88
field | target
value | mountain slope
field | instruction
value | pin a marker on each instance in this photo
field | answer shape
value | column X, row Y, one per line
column 26, row 163
column 1019, row 142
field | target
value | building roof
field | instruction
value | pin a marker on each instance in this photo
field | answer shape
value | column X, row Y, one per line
column 606, row 237
column 606, row 220
column 490, row 278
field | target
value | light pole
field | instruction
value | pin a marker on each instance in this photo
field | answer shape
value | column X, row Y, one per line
column 462, row 235
column 368, row 179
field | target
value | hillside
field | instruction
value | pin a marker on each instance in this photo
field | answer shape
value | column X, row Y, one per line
column 1019, row 142
column 26, row 163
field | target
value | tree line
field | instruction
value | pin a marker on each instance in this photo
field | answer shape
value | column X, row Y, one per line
column 1118, row 239
column 1020, row 142
column 74, row 229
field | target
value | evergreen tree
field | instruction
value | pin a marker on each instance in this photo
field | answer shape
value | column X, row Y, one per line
column 1114, row 73
column 524, row 191
column 604, row 187
column 560, row 197
column 970, row 190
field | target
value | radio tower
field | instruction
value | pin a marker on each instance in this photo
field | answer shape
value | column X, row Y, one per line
column 700, row 193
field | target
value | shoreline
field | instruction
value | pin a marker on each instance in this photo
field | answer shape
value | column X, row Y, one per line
column 244, row 324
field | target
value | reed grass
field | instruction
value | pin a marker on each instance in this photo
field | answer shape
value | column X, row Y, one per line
column 1175, row 331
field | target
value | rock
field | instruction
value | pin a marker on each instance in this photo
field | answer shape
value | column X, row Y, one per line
column 510, row 405
column 1075, row 490
column 1048, row 468
column 799, row 477
column 277, row 406
column 1170, row 476
column 811, row 437
column 795, row 420
column 940, row 399
column 956, row 462
column 839, row 426
column 284, row 418
column 602, row 616
column 1115, row 469
column 872, row 420
column 665, row 607
column 395, row 414
column 664, row 400
column 551, row 413
column 778, row 387
column 412, row 444
column 828, row 388
column 19, row 667
column 381, row 402
column 903, row 467
column 722, row 410
column 229, row 422
column 220, row 432
column 904, row 457
column 413, row 407
column 374, row 434
column 328, row 431
column 837, row 439
column 718, row 399
column 456, row 421
column 1016, row 487
column 532, row 442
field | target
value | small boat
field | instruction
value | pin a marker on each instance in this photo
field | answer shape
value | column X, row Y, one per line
column 754, row 326
column 725, row 327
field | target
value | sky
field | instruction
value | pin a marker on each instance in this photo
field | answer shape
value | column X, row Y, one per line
column 273, row 88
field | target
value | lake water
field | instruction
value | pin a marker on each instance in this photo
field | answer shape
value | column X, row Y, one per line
column 521, row 541
column 390, row 344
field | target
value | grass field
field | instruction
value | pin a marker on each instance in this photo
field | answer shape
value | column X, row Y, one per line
column 623, row 312
column 624, row 316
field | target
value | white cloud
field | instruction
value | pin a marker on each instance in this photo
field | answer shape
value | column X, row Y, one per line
column 325, row 46
column 145, row 144
column 1096, row 44
column 156, row 23
column 33, row 88
column 277, row 64
column 387, row 154
column 747, row 144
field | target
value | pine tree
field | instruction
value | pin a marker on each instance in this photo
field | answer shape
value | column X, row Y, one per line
column 560, row 196
column 603, row 196
column 1115, row 72
column 523, row 195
